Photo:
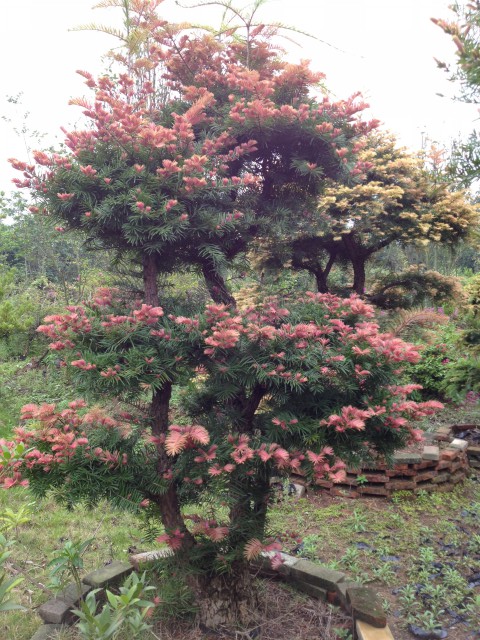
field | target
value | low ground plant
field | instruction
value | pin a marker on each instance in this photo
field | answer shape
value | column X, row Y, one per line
column 126, row 611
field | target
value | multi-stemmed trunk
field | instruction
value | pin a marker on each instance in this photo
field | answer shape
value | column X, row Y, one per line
column 315, row 267
column 216, row 285
column 222, row 598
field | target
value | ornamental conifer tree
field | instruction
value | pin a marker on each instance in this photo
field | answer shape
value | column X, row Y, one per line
column 183, row 180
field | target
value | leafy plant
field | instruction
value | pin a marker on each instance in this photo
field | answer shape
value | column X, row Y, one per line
column 433, row 368
column 474, row 544
column 68, row 562
column 350, row 558
column 93, row 625
column 127, row 611
column 10, row 519
column 342, row 634
column 7, row 585
column 309, row 546
column 358, row 522
column 384, row 573
column 409, row 599
column 428, row 620
column 426, row 555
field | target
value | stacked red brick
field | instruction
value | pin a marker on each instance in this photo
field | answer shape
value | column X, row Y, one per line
column 431, row 470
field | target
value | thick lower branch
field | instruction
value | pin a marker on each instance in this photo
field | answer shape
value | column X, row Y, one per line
column 250, row 407
column 168, row 502
column 315, row 268
column 216, row 286
column 358, row 259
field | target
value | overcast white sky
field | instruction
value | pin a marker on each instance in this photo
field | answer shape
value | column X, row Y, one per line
column 384, row 48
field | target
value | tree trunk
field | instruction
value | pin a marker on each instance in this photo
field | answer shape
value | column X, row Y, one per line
column 150, row 284
column 359, row 276
column 358, row 257
column 167, row 502
column 216, row 286
column 321, row 280
column 228, row 599
column 314, row 267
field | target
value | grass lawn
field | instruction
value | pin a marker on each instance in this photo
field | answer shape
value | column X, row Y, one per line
column 47, row 528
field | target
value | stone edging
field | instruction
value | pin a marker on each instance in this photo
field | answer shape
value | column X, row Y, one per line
column 57, row 612
column 314, row 579
column 323, row 583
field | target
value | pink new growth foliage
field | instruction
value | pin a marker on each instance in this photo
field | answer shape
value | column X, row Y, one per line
column 256, row 348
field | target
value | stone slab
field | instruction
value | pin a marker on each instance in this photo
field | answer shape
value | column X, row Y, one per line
column 56, row 611
column 112, row 573
column 47, row 631
column 70, row 593
column 444, row 430
column 443, row 437
column 441, row 477
column 450, row 454
column 445, row 487
column 366, row 606
column 377, row 466
column 402, row 467
column 346, row 492
column 426, row 486
column 365, row 631
column 406, row 458
column 473, row 451
column 325, row 484
column 402, row 485
column 459, row 476
column 300, row 490
column 426, row 464
column 316, row 574
column 139, row 560
column 311, row 590
column 426, row 475
column 431, row 452
column 401, row 473
column 444, row 464
column 457, row 443
column 458, row 428
column 342, row 591
column 376, row 477
column 458, row 464
column 288, row 561
column 475, row 464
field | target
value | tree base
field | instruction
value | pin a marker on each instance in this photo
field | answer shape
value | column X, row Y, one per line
column 226, row 600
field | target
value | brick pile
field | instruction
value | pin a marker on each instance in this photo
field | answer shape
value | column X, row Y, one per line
column 430, row 470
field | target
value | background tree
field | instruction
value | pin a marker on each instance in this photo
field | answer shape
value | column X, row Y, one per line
column 399, row 200
column 464, row 30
